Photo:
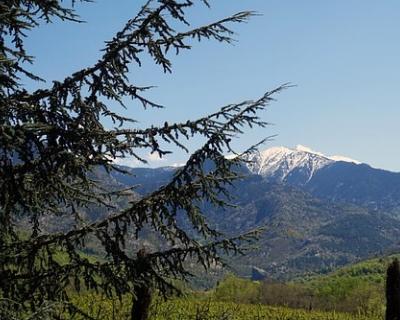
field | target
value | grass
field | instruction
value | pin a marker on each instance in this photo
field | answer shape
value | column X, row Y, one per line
column 191, row 309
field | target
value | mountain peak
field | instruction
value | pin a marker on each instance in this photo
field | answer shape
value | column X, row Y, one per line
column 302, row 148
column 281, row 162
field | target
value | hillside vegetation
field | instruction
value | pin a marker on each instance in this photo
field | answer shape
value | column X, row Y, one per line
column 352, row 292
column 356, row 289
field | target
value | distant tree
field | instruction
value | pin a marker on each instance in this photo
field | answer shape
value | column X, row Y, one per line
column 238, row 290
column 53, row 139
column 393, row 291
column 286, row 294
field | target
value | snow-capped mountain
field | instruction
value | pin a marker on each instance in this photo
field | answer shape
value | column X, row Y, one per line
column 320, row 210
column 281, row 163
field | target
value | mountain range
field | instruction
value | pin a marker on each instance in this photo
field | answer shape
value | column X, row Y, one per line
column 320, row 212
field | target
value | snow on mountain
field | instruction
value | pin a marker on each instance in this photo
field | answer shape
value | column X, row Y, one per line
column 345, row 159
column 334, row 158
column 281, row 162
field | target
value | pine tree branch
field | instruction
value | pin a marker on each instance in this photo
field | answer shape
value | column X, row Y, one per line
column 181, row 177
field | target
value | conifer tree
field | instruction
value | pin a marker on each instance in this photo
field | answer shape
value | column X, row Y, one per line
column 53, row 139
column 393, row 291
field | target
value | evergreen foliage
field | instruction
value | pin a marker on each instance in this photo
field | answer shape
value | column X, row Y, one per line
column 52, row 139
column 393, row 291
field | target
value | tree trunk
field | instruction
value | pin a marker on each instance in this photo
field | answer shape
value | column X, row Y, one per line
column 141, row 304
column 142, row 300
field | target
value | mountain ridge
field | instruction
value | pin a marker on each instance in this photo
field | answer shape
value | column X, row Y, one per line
column 320, row 212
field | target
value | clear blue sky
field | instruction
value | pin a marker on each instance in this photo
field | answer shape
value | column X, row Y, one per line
column 343, row 55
